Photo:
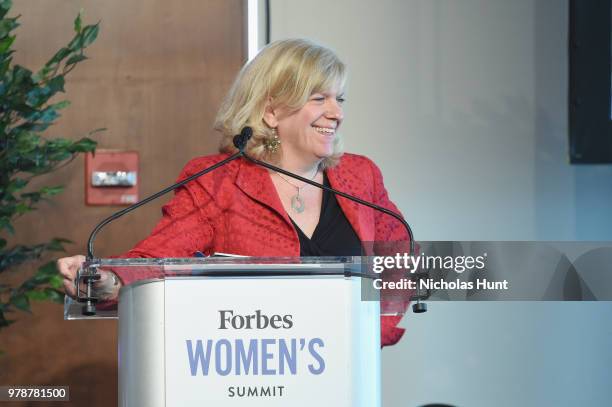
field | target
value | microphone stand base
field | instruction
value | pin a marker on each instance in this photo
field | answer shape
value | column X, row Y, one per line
column 419, row 307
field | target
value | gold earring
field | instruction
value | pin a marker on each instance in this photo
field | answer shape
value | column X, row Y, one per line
column 272, row 143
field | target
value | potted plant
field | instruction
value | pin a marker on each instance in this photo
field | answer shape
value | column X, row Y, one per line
column 29, row 105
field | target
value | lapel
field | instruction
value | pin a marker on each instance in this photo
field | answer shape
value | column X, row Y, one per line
column 255, row 182
column 354, row 212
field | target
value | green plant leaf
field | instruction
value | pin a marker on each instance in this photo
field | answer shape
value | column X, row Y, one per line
column 84, row 145
column 56, row 281
column 15, row 185
column 55, row 295
column 36, row 127
column 47, row 116
column 44, row 275
column 32, row 196
column 36, row 295
column 58, row 144
column 90, row 33
column 51, row 191
column 6, row 43
column 7, row 25
column 20, row 253
column 40, row 94
column 22, row 208
column 21, row 77
column 5, row 6
column 75, row 59
column 26, row 111
column 26, row 142
column 58, row 156
column 5, row 223
column 58, row 57
column 21, row 302
column 57, row 244
column 3, row 321
column 56, row 84
column 23, row 110
column 60, row 105
column 34, row 281
column 48, row 269
column 98, row 130
column 46, row 294
column 4, row 66
column 43, row 73
column 77, row 22
column 63, row 240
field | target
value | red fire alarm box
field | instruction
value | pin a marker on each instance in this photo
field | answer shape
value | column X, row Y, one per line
column 111, row 177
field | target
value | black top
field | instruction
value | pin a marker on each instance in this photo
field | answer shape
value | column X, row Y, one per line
column 334, row 235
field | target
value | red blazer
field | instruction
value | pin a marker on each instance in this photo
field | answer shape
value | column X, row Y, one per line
column 236, row 209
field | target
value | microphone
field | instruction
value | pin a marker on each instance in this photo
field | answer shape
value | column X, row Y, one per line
column 90, row 242
column 89, row 308
column 419, row 307
column 240, row 141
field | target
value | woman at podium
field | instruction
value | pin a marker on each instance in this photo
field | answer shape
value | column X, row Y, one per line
column 291, row 94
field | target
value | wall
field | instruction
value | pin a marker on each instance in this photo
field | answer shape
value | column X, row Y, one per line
column 470, row 98
column 155, row 78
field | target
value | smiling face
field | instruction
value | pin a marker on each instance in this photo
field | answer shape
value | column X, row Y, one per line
column 296, row 87
column 309, row 133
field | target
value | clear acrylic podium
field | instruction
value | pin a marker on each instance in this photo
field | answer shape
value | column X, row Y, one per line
column 244, row 332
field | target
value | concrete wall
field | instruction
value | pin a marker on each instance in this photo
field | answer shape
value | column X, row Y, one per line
column 463, row 104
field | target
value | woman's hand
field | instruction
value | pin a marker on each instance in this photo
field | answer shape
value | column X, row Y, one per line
column 106, row 288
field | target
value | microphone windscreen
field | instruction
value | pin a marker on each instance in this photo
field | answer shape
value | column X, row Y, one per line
column 247, row 133
column 240, row 140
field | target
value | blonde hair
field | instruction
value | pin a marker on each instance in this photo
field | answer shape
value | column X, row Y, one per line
column 286, row 73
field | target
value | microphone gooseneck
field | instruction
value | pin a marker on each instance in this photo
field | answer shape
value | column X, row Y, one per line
column 340, row 193
column 240, row 141
column 116, row 215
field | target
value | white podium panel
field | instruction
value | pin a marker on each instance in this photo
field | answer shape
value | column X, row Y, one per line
column 270, row 342
column 249, row 340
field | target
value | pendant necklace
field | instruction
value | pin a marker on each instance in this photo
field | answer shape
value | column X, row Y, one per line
column 297, row 203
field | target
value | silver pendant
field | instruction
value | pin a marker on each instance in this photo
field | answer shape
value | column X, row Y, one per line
column 297, row 203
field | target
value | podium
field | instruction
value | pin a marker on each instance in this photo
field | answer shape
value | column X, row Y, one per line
column 244, row 332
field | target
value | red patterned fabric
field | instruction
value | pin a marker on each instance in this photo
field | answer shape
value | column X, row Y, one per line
column 236, row 209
